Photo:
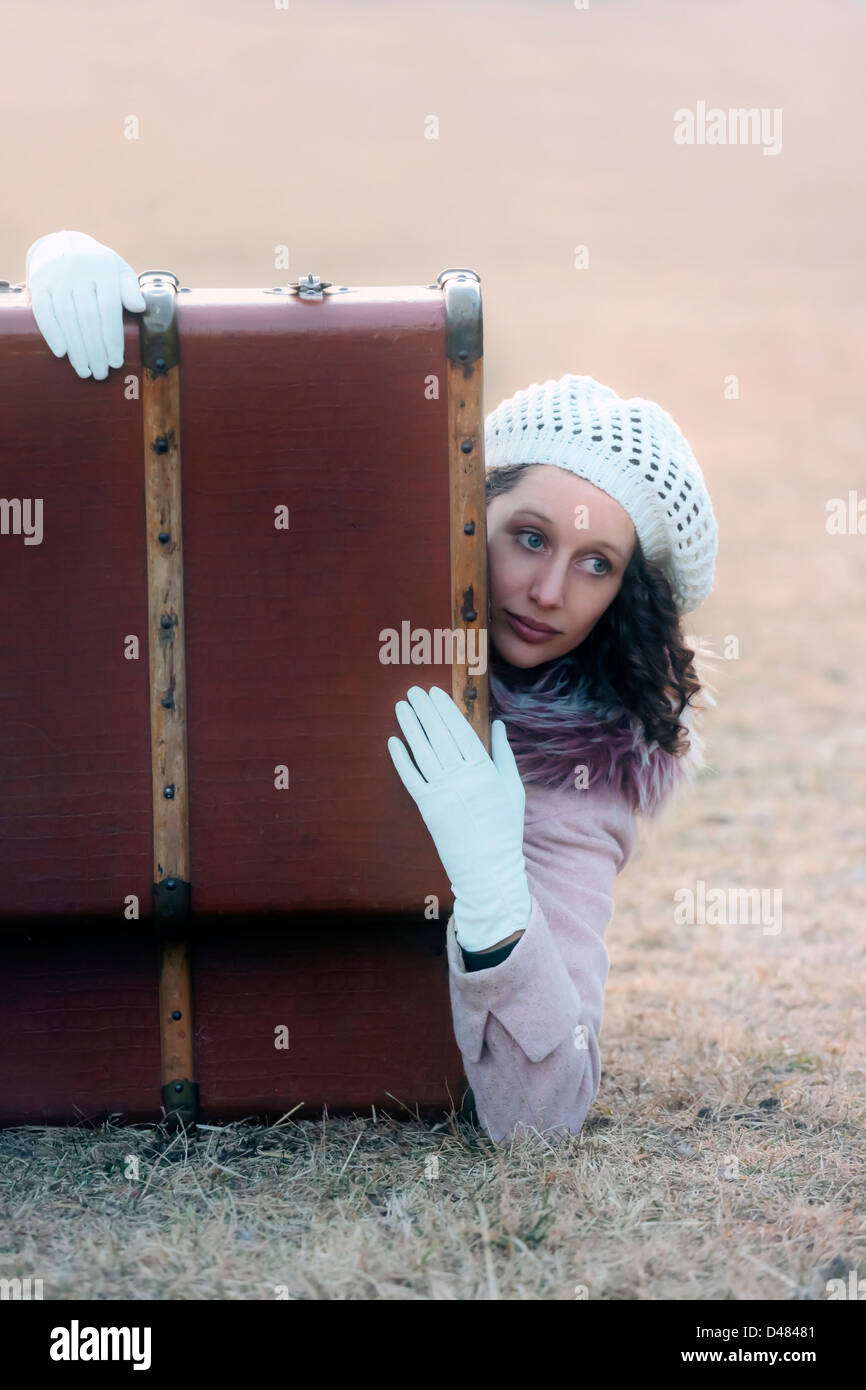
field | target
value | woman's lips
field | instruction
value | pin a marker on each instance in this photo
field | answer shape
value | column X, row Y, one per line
column 527, row 634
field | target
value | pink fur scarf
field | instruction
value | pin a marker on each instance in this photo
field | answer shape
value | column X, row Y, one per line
column 555, row 725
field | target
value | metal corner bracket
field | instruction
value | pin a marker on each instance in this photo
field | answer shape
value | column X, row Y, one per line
column 464, row 329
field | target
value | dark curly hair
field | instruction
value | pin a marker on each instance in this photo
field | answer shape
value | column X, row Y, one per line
column 635, row 652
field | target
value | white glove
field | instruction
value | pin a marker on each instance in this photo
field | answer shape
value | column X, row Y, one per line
column 473, row 807
column 78, row 291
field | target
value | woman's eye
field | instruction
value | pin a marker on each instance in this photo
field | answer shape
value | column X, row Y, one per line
column 593, row 559
column 531, row 533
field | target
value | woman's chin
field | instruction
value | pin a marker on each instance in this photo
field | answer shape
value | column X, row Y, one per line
column 518, row 653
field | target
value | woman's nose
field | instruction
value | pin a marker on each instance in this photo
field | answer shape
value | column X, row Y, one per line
column 547, row 589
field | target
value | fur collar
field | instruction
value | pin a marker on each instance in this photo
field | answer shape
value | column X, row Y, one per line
column 554, row 724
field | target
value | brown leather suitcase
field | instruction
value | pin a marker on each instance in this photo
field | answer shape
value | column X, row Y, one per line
column 200, row 560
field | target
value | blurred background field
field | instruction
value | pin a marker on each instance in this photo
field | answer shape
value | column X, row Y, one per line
column 262, row 127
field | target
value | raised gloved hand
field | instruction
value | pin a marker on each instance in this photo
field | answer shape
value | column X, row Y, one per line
column 78, row 291
column 473, row 807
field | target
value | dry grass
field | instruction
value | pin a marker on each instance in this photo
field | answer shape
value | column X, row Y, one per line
column 699, row 1184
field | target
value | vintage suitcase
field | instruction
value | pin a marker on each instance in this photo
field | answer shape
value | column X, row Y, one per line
column 209, row 564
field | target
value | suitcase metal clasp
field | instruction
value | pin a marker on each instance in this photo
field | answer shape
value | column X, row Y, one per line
column 310, row 286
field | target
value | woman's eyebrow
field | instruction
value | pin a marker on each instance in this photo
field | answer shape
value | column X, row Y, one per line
column 602, row 545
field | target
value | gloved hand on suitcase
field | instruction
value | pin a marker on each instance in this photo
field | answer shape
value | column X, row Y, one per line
column 78, row 291
column 473, row 806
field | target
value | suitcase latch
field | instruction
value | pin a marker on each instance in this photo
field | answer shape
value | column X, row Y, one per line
column 308, row 287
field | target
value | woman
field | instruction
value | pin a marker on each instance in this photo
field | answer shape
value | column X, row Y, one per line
column 601, row 535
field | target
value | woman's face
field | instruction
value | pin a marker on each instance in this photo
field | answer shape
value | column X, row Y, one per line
column 557, row 549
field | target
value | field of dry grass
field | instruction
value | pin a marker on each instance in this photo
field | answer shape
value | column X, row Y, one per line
column 725, row 1156
column 696, row 1180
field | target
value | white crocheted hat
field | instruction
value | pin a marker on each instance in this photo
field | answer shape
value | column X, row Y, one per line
column 633, row 451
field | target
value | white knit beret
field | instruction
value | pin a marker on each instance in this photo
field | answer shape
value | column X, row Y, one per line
column 633, row 451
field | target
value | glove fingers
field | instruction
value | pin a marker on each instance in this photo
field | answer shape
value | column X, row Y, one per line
column 501, row 750
column 130, row 290
column 468, row 743
column 87, row 310
column 413, row 731
column 438, row 734
column 64, row 309
column 111, row 319
column 46, row 321
column 409, row 775
column 506, row 766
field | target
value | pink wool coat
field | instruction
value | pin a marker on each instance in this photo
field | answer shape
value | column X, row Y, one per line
column 528, row 1028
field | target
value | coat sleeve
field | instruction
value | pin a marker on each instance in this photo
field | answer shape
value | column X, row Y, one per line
column 528, row 1028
